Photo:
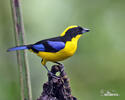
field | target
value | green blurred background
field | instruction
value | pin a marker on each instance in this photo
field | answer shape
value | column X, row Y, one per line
column 99, row 63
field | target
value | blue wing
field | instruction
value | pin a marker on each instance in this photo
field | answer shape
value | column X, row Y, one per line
column 38, row 47
column 56, row 45
column 48, row 46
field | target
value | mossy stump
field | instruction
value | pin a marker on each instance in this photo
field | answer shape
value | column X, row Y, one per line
column 57, row 88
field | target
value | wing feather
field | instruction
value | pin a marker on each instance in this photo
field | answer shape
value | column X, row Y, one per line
column 48, row 45
column 57, row 45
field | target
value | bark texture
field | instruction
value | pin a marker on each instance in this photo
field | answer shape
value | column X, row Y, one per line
column 57, row 88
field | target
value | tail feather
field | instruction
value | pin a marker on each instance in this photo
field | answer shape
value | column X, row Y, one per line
column 17, row 48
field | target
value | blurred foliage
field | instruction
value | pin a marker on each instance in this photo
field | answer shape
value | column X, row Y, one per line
column 99, row 62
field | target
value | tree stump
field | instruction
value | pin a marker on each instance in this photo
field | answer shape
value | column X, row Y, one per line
column 57, row 88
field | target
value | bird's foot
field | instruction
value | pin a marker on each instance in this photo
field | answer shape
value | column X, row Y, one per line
column 61, row 65
column 53, row 75
column 50, row 73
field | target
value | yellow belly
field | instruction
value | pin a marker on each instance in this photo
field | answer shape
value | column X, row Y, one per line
column 69, row 50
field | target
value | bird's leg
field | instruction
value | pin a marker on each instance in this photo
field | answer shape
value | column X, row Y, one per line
column 62, row 69
column 58, row 63
column 43, row 62
column 49, row 72
column 53, row 75
column 47, row 69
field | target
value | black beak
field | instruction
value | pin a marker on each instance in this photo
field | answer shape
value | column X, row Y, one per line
column 85, row 30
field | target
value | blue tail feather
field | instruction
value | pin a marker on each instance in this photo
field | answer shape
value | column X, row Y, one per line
column 17, row 48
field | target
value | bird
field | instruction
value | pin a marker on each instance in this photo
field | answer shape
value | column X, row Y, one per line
column 57, row 48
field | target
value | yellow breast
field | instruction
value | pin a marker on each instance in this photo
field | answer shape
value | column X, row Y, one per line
column 69, row 50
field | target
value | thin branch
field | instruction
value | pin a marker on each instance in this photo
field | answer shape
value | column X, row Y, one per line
column 20, row 40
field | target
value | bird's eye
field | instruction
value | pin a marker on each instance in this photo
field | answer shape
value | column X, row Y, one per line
column 80, row 28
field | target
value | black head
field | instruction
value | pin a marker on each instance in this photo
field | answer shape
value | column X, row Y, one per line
column 73, row 31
